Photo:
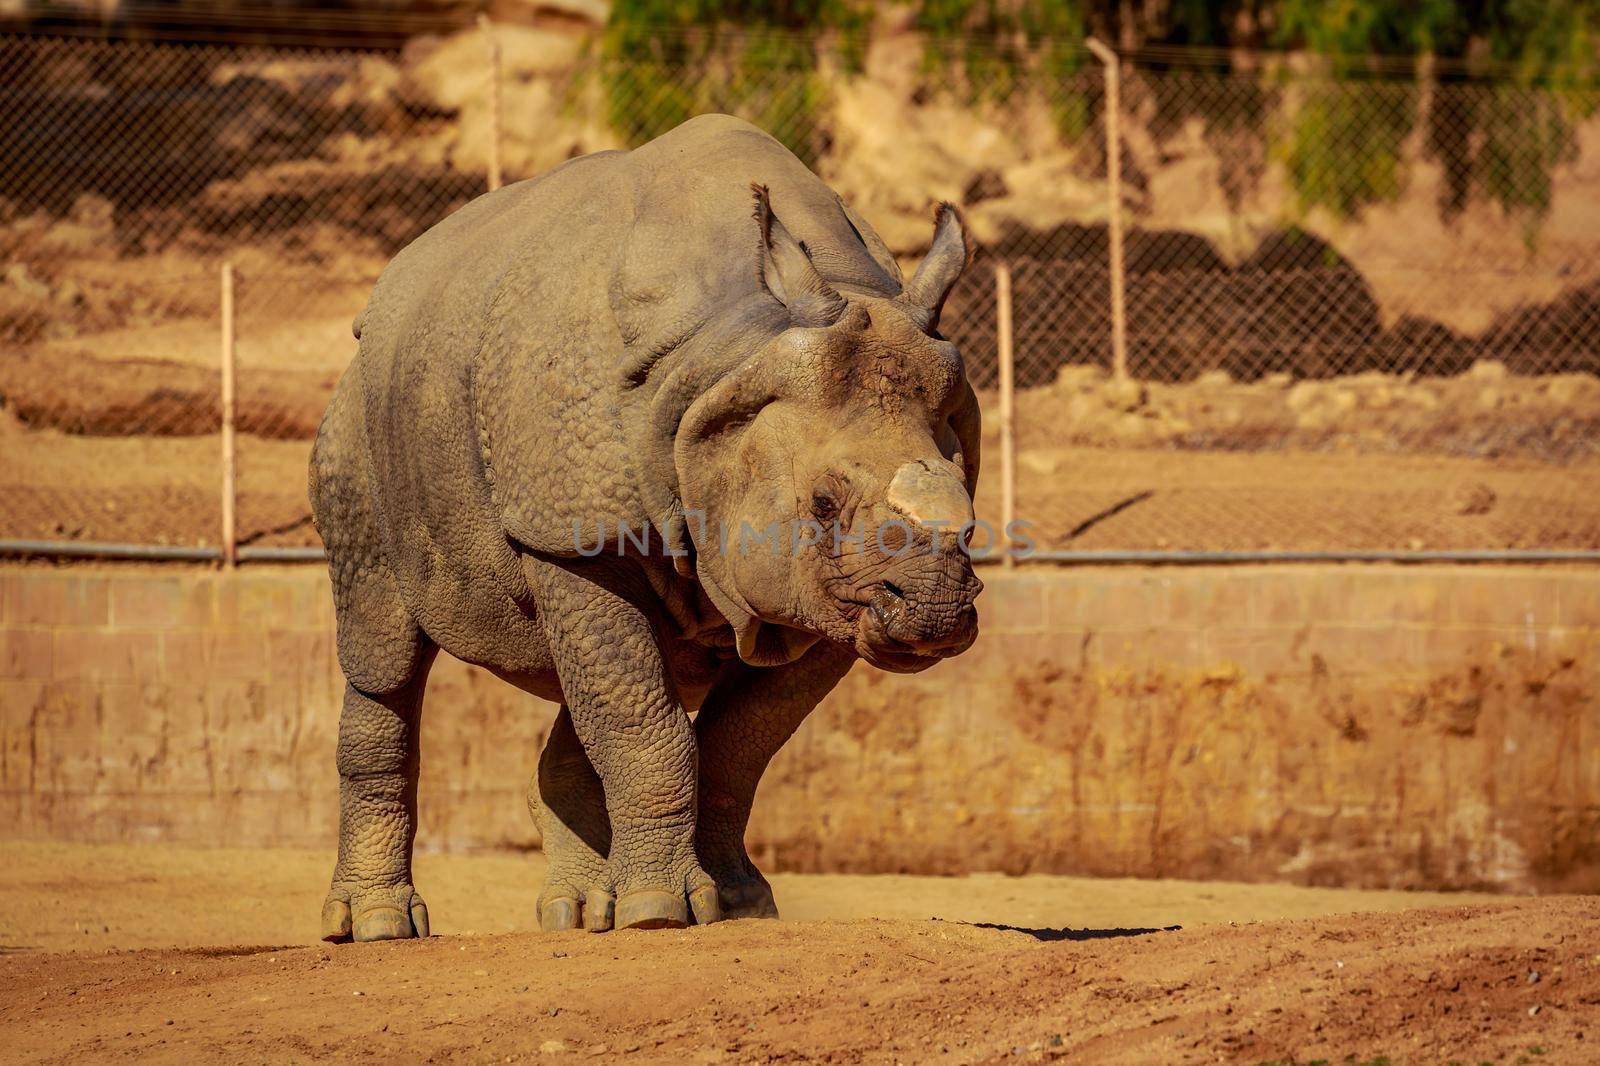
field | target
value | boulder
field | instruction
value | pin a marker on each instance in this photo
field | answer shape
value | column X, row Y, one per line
column 447, row 74
column 1472, row 498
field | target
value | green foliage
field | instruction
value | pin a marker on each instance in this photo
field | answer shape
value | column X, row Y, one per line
column 665, row 61
column 1344, row 28
column 1345, row 140
column 1500, row 142
column 1002, row 49
column 1344, row 144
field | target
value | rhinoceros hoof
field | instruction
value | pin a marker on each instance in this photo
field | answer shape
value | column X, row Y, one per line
column 706, row 905
column 652, row 909
column 558, row 914
column 398, row 914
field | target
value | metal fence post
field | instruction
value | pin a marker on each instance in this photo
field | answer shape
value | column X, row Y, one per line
column 1113, row 112
column 494, row 101
column 229, row 492
column 1008, row 410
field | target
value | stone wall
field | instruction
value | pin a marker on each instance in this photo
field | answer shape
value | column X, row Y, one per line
column 1377, row 726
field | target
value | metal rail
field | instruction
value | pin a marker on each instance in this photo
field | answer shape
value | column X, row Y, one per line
column 171, row 553
column 64, row 549
column 1202, row 558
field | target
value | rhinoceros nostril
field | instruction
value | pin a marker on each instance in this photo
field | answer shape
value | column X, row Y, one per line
column 894, row 590
column 881, row 615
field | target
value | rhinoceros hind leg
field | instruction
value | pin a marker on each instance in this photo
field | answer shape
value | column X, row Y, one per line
column 372, row 896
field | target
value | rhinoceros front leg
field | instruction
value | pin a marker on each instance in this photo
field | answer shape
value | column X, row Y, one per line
column 639, row 740
column 744, row 721
column 568, row 805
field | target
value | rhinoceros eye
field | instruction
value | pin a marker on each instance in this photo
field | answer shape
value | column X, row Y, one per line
column 827, row 498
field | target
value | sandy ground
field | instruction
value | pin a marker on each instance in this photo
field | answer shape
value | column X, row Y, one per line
column 166, row 954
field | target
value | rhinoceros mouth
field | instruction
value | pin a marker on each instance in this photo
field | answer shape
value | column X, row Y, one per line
column 876, row 643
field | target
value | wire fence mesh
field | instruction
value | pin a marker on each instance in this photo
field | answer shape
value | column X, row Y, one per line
column 1361, row 312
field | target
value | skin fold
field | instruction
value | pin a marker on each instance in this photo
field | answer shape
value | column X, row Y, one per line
column 577, row 405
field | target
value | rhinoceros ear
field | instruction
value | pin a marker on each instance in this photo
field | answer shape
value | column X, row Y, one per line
column 787, row 272
column 949, row 255
column 706, row 439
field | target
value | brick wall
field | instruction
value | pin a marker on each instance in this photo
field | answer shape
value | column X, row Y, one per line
column 1423, row 726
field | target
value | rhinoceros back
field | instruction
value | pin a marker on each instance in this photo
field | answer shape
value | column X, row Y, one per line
column 507, row 355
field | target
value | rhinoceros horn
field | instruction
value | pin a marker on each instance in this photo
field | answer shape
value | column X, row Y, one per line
column 931, row 494
column 946, row 259
column 788, row 273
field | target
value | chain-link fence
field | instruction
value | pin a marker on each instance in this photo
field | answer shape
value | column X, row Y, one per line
column 1360, row 314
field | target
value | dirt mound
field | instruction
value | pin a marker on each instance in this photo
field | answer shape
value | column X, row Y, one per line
column 89, row 396
column 1478, row 983
column 126, row 450
column 1294, row 308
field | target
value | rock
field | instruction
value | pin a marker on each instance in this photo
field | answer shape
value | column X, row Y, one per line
column 1571, row 389
column 896, row 148
column 68, row 293
column 1313, row 420
column 1085, row 409
column 94, row 212
column 19, row 278
column 1303, row 395
column 1079, row 376
column 1125, row 394
column 1420, row 396
column 69, row 238
column 1490, row 398
column 1172, row 426
column 1228, row 415
column 1214, row 379
column 1132, row 428
column 1472, row 498
column 1488, row 370
column 1320, row 405
column 449, row 73
column 375, row 83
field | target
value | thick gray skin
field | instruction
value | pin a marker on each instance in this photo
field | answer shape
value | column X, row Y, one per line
column 624, row 340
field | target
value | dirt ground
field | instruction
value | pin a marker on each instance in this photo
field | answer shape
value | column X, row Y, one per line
column 168, row 954
column 164, row 490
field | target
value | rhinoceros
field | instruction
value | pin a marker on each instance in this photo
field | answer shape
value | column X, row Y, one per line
column 662, row 436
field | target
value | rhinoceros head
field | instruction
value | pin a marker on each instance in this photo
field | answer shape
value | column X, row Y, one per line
column 851, row 432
